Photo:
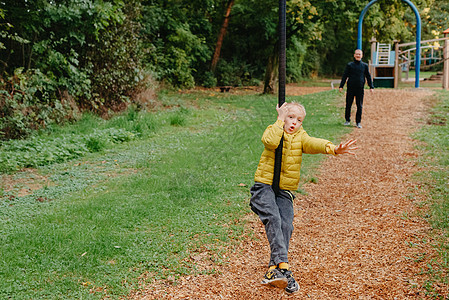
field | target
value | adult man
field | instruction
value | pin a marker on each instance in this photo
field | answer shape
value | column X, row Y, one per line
column 356, row 72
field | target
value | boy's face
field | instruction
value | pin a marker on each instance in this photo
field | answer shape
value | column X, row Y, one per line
column 294, row 119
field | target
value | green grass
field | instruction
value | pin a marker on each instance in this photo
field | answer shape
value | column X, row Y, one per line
column 318, row 82
column 61, row 144
column 435, row 178
column 422, row 74
column 436, row 160
column 422, row 83
column 147, row 204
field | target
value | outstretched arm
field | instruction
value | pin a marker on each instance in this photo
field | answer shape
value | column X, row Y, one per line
column 346, row 147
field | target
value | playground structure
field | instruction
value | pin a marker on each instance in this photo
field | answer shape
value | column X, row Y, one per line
column 384, row 69
column 387, row 63
column 418, row 34
column 382, row 64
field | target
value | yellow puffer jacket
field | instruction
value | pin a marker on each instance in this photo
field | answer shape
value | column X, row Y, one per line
column 294, row 146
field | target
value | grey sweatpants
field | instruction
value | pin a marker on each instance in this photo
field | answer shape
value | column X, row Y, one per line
column 276, row 213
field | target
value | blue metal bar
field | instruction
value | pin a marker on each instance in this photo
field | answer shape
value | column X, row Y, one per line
column 418, row 42
column 418, row 35
column 359, row 27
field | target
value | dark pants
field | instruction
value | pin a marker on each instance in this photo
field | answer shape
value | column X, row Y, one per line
column 350, row 94
column 276, row 213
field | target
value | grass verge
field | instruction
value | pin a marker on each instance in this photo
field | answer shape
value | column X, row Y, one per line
column 435, row 177
column 147, row 204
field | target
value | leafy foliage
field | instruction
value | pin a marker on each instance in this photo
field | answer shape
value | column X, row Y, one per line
column 115, row 62
column 99, row 55
column 85, row 52
column 176, row 32
column 436, row 18
column 30, row 101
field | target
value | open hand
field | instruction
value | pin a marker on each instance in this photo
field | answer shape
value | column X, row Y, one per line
column 346, row 147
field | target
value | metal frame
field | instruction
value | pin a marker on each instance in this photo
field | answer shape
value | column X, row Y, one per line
column 418, row 35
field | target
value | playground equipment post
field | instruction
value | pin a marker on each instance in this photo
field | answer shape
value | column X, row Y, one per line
column 446, row 61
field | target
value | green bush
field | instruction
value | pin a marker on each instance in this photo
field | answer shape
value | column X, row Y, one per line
column 115, row 63
column 30, row 101
column 76, row 53
column 235, row 73
column 208, row 80
column 95, row 144
column 228, row 73
column 299, row 64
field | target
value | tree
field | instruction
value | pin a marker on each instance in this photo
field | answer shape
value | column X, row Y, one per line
column 180, row 36
column 436, row 18
column 221, row 35
column 299, row 27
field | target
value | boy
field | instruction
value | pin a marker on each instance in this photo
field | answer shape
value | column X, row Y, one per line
column 276, row 211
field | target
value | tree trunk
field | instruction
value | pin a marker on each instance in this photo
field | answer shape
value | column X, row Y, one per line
column 221, row 35
column 271, row 72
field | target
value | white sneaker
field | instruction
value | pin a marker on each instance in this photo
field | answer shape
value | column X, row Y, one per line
column 347, row 123
column 359, row 125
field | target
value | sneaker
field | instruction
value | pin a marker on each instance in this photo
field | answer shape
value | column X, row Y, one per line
column 359, row 125
column 275, row 278
column 347, row 123
column 292, row 285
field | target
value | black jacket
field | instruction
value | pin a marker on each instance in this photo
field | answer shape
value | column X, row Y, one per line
column 356, row 71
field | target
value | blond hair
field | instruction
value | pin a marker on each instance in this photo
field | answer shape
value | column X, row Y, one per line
column 290, row 105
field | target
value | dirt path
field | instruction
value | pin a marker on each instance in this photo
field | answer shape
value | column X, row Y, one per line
column 357, row 234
